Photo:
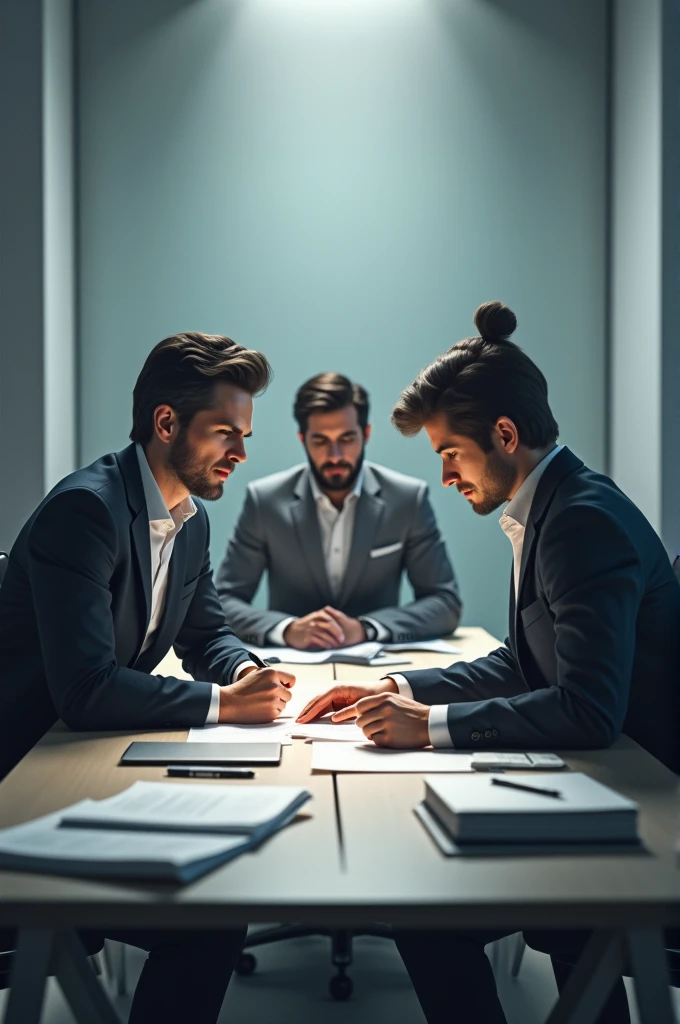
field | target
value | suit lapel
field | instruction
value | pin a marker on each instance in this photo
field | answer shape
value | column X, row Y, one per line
column 139, row 529
column 306, row 523
column 166, row 632
column 564, row 463
column 367, row 518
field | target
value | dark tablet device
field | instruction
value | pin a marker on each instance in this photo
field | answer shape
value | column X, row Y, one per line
column 201, row 753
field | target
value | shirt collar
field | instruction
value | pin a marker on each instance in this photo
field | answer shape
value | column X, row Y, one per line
column 520, row 505
column 353, row 494
column 155, row 502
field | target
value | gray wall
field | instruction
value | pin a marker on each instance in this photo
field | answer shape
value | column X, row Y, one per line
column 645, row 343
column 37, row 335
column 341, row 184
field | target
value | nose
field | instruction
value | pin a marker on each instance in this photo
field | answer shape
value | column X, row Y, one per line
column 237, row 453
column 450, row 477
column 335, row 450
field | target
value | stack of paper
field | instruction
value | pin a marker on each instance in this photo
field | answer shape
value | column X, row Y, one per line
column 478, row 810
column 166, row 831
column 368, row 653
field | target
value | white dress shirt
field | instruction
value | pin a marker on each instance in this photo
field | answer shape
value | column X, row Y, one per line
column 164, row 525
column 513, row 523
column 336, row 526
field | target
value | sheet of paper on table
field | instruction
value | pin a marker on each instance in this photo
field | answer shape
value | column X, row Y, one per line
column 277, row 731
column 432, row 646
column 325, row 730
column 359, row 654
column 367, row 757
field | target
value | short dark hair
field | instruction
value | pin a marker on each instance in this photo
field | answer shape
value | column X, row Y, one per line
column 479, row 380
column 327, row 392
column 181, row 371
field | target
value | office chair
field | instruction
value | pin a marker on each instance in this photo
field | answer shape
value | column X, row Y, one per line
column 4, row 562
column 340, row 985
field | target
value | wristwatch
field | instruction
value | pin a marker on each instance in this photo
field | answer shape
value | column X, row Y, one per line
column 369, row 629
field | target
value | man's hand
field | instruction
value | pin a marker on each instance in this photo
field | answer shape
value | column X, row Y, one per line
column 390, row 720
column 259, row 695
column 352, row 629
column 343, row 696
column 318, row 629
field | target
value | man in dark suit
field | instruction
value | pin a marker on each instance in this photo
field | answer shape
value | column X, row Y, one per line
column 335, row 537
column 110, row 571
column 594, row 640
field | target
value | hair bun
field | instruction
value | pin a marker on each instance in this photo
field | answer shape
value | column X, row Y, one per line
column 495, row 322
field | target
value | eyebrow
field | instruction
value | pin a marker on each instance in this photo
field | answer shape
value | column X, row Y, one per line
column 445, row 447
column 237, row 430
column 319, row 436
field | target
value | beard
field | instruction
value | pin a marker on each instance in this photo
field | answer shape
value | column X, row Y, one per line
column 344, row 483
column 191, row 472
column 494, row 486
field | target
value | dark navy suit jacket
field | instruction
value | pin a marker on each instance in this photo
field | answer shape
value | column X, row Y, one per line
column 74, row 608
column 594, row 645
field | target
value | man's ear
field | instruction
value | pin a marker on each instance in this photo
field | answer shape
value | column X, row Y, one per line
column 506, row 432
column 165, row 423
column 302, row 439
column 367, row 433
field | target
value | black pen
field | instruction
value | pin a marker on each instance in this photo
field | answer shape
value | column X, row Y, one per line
column 181, row 771
column 527, row 789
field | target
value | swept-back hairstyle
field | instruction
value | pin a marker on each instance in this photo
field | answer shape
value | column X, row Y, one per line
column 327, row 392
column 181, row 371
column 479, row 380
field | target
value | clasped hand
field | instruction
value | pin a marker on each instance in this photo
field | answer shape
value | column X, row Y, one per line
column 383, row 715
column 325, row 629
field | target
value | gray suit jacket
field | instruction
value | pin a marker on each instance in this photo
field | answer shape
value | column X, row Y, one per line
column 278, row 531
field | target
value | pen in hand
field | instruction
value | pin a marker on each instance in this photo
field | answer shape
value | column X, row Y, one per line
column 527, row 789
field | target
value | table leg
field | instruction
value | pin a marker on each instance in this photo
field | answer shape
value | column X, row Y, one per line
column 79, row 983
column 30, row 970
column 591, row 980
column 647, row 956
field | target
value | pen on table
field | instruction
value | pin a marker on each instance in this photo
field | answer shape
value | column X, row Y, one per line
column 181, row 771
column 527, row 789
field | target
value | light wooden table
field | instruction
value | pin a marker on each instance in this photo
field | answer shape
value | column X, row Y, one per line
column 360, row 856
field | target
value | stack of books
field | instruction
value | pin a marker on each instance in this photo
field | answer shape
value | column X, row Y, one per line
column 153, row 830
column 540, row 810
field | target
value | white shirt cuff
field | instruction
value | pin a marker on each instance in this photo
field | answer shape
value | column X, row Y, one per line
column 381, row 632
column 214, row 709
column 402, row 686
column 438, row 726
column 240, row 667
column 275, row 635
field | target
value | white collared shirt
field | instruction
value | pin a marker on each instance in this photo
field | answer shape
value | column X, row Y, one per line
column 164, row 525
column 513, row 522
column 336, row 526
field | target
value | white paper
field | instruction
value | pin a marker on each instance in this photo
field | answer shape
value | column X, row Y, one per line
column 367, row 757
column 277, row 731
column 186, row 806
column 433, row 646
column 43, row 840
column 325, row 730
column 369, row 653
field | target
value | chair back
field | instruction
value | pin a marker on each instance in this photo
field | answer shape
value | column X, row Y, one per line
column 4, row 562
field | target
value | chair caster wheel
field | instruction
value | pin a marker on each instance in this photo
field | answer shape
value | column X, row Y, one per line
column 245, row 965
column 340, row 987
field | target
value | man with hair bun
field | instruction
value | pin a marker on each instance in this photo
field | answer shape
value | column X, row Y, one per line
column 335, row 537
column 594, row 624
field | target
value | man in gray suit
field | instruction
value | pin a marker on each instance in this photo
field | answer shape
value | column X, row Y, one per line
column 334, row 537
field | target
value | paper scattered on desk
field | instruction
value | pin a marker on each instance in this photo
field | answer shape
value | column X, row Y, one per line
column 277, row 731
column 368, row 653
column 431, row 646
column 367, row 757
column 325, row 730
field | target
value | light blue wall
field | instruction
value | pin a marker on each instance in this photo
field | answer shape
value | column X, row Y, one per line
column 341, row 183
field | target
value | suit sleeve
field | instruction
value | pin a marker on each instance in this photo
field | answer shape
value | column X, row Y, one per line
column 436, row 608
column 592, row 588
column 208, row 647
column 72, row 550
column 239, row 575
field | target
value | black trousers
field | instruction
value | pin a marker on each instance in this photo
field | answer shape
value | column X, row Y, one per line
column 185, row 975
column 454, row 982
